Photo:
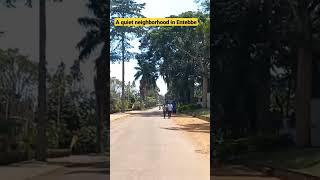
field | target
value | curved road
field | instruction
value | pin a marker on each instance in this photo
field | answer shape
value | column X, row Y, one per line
column 144, row 148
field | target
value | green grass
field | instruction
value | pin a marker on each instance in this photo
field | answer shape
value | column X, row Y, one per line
column 200, row 112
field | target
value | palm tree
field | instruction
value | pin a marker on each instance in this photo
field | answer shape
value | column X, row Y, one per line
column 98, row 35
column 42, row 89
column 148, row 73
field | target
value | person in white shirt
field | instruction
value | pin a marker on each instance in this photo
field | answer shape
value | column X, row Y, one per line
column 170, row 108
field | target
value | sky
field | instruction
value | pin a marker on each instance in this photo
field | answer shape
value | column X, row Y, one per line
column 153, row 8
column 64, row 32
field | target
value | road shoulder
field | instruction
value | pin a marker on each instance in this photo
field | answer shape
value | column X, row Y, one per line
column 197, row 130
column 27, row 170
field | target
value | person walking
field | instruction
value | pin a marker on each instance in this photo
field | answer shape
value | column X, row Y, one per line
column 164, row 109
column 170, row 108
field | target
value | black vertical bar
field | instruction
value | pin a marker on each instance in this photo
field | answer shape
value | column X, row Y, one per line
column 212, row 132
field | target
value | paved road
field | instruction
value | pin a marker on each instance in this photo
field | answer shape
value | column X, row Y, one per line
column 84, row 167
column 76, row 173
column 239, row 172
column 143, row 147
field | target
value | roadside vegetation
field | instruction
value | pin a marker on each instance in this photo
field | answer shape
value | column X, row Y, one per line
column 265, row 55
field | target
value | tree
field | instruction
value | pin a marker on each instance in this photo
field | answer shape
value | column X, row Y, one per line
column 98, row 34
column 199, row 51
column 281, row 36
column 182, row 54
column 60, row 85
column 17, row 81
column 42, row 101
column 248, row 38
column 120, row 36
column 305, row 27
column 148, row 72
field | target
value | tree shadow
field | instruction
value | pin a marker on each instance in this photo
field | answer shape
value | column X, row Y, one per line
column 88, row 172
column 92, row 168
column 147, row 114
column 90, row 165
column 203, row 127
column 238, row 171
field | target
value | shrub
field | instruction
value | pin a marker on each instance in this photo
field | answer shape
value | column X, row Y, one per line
column 137, row 106
column 188, row 107
column 151, row 102
column 86, row 142
column 115, row 107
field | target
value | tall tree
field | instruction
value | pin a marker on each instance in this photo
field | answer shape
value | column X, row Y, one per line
column 120, row 36
column 42, row 89
column 148, row 72
column 18, row 80
column 42, row 102
column 98, row 34
column 183, row 56
column 306, row 28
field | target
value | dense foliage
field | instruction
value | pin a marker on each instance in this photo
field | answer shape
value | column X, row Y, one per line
column 263, row 55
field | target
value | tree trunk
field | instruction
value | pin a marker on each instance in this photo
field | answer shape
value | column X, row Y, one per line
column 58, row 113
column 100, row 89
column 7, row 109
column 303, row 96
column 304, row 76
column 262, row 105
column 122, row 93
column 204, row 91
column 289, row 95
column 41, row 148
column 191, row 95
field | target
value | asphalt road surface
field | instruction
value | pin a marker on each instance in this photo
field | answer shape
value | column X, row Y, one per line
column 143, row 147
column 83, row 167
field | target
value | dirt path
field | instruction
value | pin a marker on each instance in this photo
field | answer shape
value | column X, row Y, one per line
column 197, row 130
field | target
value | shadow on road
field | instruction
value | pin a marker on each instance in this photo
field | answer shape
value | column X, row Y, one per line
column 203, row 128
column 240, row 172
column 88, row 172
column 157, row 113
column 80, row 167
column 92, row 165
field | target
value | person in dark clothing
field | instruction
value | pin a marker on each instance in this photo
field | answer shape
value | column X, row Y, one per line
column 174, row 110
column 164, row 109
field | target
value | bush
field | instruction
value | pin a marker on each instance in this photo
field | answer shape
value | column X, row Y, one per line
column 115, row 106
column 137, row 106
column 229, row 149
column 262, row 143
column 188, row 107
column 266, row 143
column 86, row 142
column 151, row 102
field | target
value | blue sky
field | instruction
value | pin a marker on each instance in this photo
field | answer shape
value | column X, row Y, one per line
column 153, row 8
